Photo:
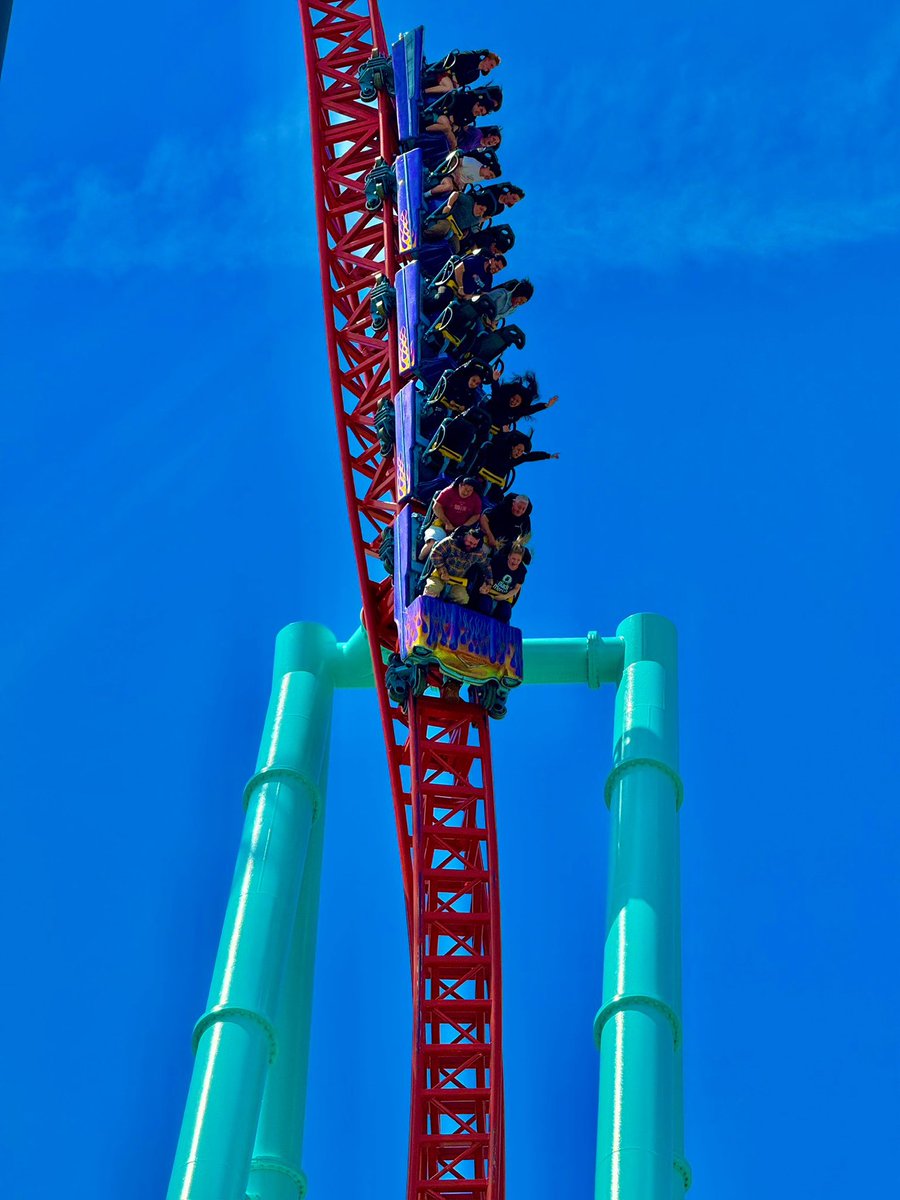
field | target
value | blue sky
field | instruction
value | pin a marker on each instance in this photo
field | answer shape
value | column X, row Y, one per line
column 712, row 226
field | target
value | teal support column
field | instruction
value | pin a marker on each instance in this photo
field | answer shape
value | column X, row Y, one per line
column 276, row 1171
column 236, row 1039
column 638, row 1028
column 681, row 1179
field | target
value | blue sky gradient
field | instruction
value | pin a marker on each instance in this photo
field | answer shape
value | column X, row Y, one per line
column 712, row 226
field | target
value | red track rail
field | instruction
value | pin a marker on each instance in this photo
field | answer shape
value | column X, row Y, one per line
column 438, row 751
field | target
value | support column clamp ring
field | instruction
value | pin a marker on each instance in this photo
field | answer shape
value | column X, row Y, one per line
column 288, row 775
column 266, row 1162
column 629, row 764
column 683, row 1168
column 233, row 1012
column 636, row 1000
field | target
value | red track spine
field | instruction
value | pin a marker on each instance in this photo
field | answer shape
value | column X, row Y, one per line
column 445, row 818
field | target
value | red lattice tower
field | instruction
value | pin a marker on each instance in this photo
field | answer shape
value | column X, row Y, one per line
column 438, row 751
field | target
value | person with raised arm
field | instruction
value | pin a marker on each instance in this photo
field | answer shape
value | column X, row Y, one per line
column 515, row 399
column 500, row 455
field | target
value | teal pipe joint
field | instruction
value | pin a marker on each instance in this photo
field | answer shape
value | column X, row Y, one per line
column 353, row 662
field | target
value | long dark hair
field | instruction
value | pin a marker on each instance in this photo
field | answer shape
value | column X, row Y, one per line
column 525, row 385
column 503, row 235
column 490, row 95
column 517, row 436
column 496, row 190
column 491, row 131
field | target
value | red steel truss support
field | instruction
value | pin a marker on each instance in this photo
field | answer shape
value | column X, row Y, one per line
column 438, row 751
column 456, row 1127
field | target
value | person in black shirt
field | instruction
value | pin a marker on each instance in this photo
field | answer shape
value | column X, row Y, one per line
column 458, row 69
column 508, row 573
column 512, row 401
column 456, row 391
column 499, row 456
column 457, row 388
column 498, row 196
column 499, row 239
column 508, row 522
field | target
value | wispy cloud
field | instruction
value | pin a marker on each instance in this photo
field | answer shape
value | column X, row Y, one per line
column 688, row 162
column 242, row 201
column 643, row 158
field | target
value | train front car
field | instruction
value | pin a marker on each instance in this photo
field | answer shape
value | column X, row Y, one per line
column 440, row 643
